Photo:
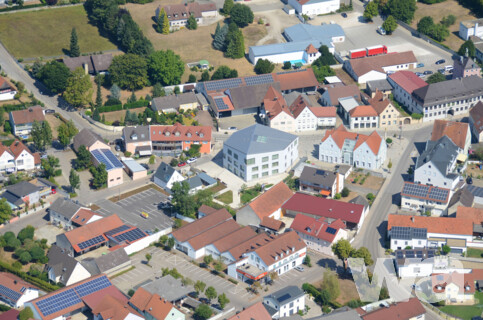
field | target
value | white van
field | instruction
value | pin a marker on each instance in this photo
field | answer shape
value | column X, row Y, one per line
column 448, row 68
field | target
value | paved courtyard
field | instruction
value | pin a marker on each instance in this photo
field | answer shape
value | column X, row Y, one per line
column 130, row 208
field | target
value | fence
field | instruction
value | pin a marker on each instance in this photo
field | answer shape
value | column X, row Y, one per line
column 416, row 33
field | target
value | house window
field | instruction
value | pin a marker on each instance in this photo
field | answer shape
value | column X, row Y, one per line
column 254, row 176
column 264, row 174
column 255, row 168
column 275, row 157
column 265, row 166
column 275, row 164
column 265, row 159
column 229, row 152
column 250, row 161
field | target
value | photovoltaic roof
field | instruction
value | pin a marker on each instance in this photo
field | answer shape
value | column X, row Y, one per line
column 108, row 158
column 425, row 192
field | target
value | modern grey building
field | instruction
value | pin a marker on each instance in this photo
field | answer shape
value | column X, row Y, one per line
column 285, row 302
column 452, row 97
column 19, row 194
column 259, row 151
column 437, row 165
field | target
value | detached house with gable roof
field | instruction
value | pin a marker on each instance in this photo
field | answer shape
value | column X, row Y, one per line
column 7, row 91
column 178, row 14
column 18, row 157
column 14, row 291
column 165, row 176
column 64, row 268
column 458, row 132
column 404, row 83
column 342, row 146
column 152, row 306
column 285, row 302
column 388, row 115
column 69, row 214
column 22, row 120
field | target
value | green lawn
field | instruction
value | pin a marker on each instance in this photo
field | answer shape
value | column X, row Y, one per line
column 474, row 253
column 226, row 197
column 46, row 32
column 466, row 312
column 248, row 194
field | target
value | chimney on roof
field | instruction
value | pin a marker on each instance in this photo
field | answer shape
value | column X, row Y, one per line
column 150, row 309
column 15, row 281
column 412, row 218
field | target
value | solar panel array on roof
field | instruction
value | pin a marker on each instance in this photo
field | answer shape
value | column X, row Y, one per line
column 438, row 194
column 284, row 297
column 399, row 255
column 92, row 286
column 331, row 230
column 91, row 242
column 108, row 158
column 9, row 293
column 58, row 302
column 410, row 254
column 130, row 236
column 402, row 233
column 419, row 254
column 430, row 253
column 420, row 233
column 117, row 230
column 285, row 72
column 220, row 104
column 223, row 84
column 415, row 190
column 261, row 79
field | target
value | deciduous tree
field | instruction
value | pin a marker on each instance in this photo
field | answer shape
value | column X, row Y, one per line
column 74, row 180
column 224, row 72
column 241, row 14
column 370, row 11
column 401, row 9
column 54, row 76
column 210, row 293
column 436, row 77
column 83, row 158
column 158, row 90
column 264, row 66
column 390, row 25
column 223, row 300
column 165, row 67
column 129, row 71
column 163, row 22
column 191, row 24
column 203, row 312
column 342, row 249
column 5, row 210
column 467, row 48
column 78, row 91
column 227, row 6
column 425, row 25
column 99, row 174
column 50, row 165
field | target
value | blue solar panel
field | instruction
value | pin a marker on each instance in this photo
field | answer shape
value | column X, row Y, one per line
column 9, row 293
column 130, row 236
column 331, row 230
column 261, row 79
column 107, row 157
column 223, row 84
column 410, row 254
column 92, row 286
column 117, row 230
column 91, row 242
column 58, row 302
column 220, row 104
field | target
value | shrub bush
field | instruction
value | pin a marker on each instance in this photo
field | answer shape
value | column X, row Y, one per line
column 115, row 107
column 136, row 104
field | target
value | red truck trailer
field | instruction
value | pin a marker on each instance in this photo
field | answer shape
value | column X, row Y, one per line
column 357, row 53
column 376, row 50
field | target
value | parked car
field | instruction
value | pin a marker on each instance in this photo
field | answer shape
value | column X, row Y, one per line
column 299, row 268
column 344, row 15
column 469, row 180
column 43, row 156
column 191, row 160
column 420, row 74
column 441, row 61
column 420, row 65
column 428, row 72
column 181, row 164
column 232, row 128
column 49, row 111
column 118, row 147
column 381, row 31
column 442, row 71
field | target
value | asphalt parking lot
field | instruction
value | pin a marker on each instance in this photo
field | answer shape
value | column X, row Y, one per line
column 130, row 208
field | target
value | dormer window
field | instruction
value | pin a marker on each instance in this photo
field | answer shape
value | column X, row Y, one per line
column 142, row 135
column 134, row 136
column 177, row 133
column 167, row 134
column 188, row 134
column 201, row 134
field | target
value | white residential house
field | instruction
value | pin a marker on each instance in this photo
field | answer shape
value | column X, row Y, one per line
column 285, row 302
column 314, row 7
column 7, row 160
column 64, row 268
column 424, row 198
column 165, row 176
column 7, row 92
column 453, row 232
column 23, row 158
column 363, row 117
column 23, row 120
column 14, row 291
column 404, row 83
column 342, row 146
column 259, row 151
column 437, row 165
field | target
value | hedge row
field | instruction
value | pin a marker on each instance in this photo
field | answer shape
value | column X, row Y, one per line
column 14, row 8
column 13, row 107
column 117, row 107
column 48, row 287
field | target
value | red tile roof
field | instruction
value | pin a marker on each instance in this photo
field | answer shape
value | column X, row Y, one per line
column 194, row 8
column 234, row 239
column 322, row 207
column 316, row 228
column 272, row 200
column 456, row 131
column 92, row 300
column 111, row 308
column 398, row 311
column 212, row 234
column 83, row 216
column 250, row 244
column 256, row 311
column 476, row 114
column 364, row 65
column 201, row 225
column 324, row 112
column 363, row 111
column 473, row 214
column 272, row 251
column 226, row 100
column 311, row 49
column 4, row 149
column 295, row 80
column 17, row 147
column 206, row 209
column 12, row 314
column 379, row 103
column 298, row 106
column 444, row 225
column 153, row 304
column 274, row 103
column 179, row 132
column 28, row 115
column 272, row 223
column 340, row 134
column 92, row 230
column 373, row 141
column 407, row 80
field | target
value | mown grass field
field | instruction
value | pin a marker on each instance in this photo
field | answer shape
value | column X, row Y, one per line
column 46, row 32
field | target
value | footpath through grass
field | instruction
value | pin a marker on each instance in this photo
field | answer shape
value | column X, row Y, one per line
column 46, row 32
